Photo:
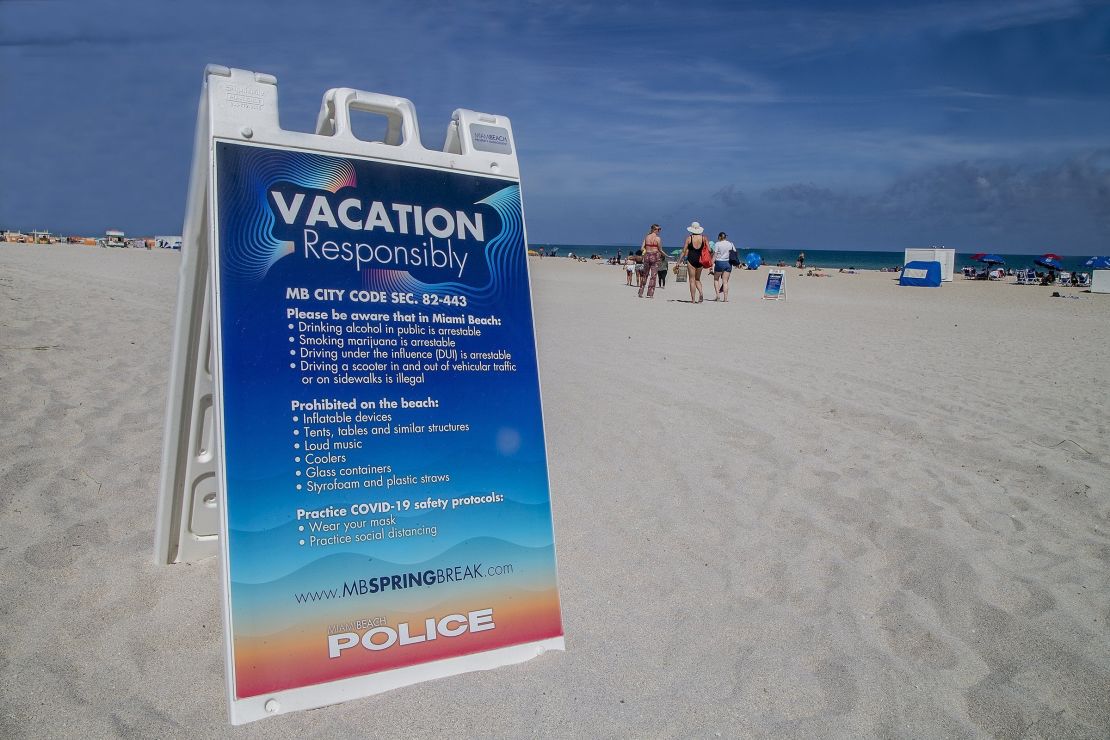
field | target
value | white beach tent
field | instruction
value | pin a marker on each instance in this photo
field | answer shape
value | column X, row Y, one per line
column 1100, row 281
column 946, row 258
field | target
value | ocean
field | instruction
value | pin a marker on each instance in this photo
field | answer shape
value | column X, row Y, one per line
column 826, row 258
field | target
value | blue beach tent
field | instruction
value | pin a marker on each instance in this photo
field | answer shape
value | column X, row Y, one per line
column 752, row 260
column 921, row 274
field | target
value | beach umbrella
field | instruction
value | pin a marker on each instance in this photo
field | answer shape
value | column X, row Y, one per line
column 1050, row 261
column 1098, row 263
column 989, row 259
column 753, row 260
column 676, row 252
column 1051, row 256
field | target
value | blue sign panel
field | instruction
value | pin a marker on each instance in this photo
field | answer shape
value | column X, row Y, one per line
column 385, row 467
column 773, row 290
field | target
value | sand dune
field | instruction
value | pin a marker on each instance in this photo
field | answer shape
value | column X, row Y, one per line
column 866, row 511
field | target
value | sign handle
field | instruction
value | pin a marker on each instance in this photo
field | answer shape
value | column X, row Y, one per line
column 334, row 118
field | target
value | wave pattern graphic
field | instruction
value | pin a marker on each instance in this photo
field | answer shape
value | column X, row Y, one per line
column 504, row 255
column 250, row 249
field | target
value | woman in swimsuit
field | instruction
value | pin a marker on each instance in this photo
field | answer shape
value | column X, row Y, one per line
column 692, row 254
column 652, row 249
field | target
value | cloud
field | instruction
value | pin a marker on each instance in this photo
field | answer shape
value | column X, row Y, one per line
column 819, row 30
column 1019, row 203
column 809, row 198
column 730, row 197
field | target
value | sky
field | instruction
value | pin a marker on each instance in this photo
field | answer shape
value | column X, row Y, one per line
column 983, row 126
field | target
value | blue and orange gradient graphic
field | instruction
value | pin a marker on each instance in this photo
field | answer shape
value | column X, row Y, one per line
column 420, row 530
column 253, row 248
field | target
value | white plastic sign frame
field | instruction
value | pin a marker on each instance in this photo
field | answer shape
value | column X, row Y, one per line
column 775, row 287
column 238, row 111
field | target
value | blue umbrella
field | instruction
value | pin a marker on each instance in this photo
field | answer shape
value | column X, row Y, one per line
column 753, row 260
column 1098, row 263
column 991, row 259
column 1049, row 262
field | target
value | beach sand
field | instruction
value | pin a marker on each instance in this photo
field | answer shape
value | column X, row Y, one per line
column 866, row 511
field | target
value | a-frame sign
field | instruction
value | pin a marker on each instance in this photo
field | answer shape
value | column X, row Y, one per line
column 354, row 421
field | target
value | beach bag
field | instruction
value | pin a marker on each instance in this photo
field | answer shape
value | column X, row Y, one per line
column 734, row 258
column 706, row 258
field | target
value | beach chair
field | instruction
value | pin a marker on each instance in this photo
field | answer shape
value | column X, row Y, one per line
column 1027, row 277
column 1064, row 280
column 969, row 273
column 1084, row 280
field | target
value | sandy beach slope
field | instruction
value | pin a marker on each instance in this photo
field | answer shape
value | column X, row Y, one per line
column 867, row 511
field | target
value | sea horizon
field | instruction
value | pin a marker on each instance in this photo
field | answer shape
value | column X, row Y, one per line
column 827, row 258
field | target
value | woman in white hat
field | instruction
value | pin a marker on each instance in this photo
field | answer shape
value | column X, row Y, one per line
column 691, row 252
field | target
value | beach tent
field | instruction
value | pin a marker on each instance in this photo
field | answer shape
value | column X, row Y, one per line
column 1100, row 281
column 946, row 257
column 753, row 260
column 921, row 274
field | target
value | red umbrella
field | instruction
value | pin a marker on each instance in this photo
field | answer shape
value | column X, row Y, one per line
column 1051, row 256
column 978, row 255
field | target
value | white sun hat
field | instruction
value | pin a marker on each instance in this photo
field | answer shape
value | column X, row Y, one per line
column 695, row 228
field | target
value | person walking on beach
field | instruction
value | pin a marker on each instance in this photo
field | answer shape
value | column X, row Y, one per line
column 691, row 252
column 722, row 267
column 651, row 249
column 801, row 260
column 662, row 272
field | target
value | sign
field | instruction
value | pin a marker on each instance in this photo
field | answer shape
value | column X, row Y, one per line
column 776, row 285
column 385, row 513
